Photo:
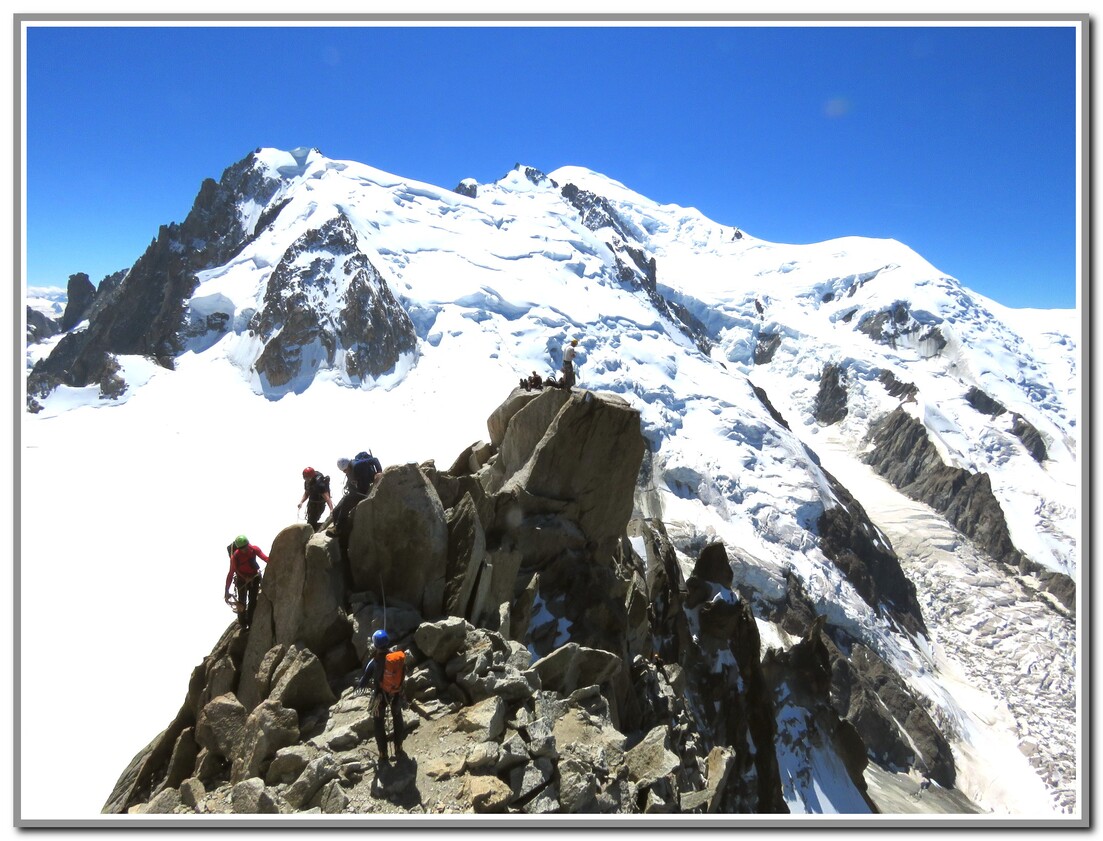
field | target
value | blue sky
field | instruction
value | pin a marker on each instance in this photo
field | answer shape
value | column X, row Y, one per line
column 960, row 142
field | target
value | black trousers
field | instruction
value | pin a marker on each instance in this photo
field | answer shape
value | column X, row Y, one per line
column 395, row 704
column 343, row 508
column 247, row 592
column 342, row 518
column 314, row 509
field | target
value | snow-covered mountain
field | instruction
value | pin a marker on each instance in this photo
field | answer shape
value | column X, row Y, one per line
column 48, row 300
column 785, row 392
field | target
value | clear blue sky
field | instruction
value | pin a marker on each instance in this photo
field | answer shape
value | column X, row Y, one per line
column 958, row 141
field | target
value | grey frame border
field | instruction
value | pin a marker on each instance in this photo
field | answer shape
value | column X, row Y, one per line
column 562, row 822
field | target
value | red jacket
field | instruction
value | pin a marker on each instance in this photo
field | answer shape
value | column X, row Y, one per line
column 243, row 561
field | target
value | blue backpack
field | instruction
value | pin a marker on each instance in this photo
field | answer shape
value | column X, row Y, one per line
column 364, row 469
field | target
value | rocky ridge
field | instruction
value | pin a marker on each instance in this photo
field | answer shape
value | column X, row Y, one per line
column 554, row 668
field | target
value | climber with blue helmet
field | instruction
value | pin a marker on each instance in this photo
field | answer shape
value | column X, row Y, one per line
column 245, row 575
column 385, row 673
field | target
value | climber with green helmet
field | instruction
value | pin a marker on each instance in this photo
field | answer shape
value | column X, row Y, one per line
column 245, row 574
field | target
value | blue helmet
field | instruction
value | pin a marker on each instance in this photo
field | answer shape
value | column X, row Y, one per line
column 380, row 639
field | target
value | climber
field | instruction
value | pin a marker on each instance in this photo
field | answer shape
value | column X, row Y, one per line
column 568, row 379
column 315, row 495
column 366, row 470
column 362, row 473
column 385, row 673
column 245, row 574
column 532, row 383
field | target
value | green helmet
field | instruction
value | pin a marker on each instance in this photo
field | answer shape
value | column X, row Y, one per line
column 241, row 541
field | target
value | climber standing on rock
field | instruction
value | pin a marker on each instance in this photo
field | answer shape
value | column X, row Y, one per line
column 245, row 575
column 362, row 473
column 385, row 673
column 568, row 379
column 315, row 495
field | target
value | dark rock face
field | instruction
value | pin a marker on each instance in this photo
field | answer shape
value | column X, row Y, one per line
column 713, row 565
column 600, row 437
column 904, row 455
column 984, row 404
column 40, row 326
column 803, row 676
column 596, row 212
column 893, row 725
column 865, row 556
column 106, row 293
column 533, row 174
column 830, row 405
column 371, row 328
column 269, row 216
column 857, row 703
column 467, row 188
column 562, row 528
column 1031, row 438
column 1020, row 427
column 897, row 324
column 733, row 705
column 887, row 322
column 765, row 347
column 896, row 388
column 764, row 399
column 148, row 306
column 666, row 595
column 79, row 295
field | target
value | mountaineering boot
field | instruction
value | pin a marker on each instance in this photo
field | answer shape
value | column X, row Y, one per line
column 381, row 743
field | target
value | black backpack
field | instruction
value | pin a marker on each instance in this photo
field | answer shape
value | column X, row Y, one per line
column 364, row 468
column 321, row 484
